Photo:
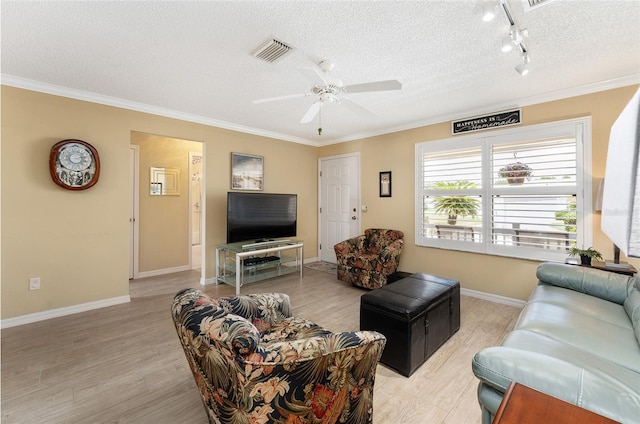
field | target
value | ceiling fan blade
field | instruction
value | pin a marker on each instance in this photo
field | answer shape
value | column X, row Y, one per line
column 357, row 108
column 311, row 113
column 273, row 99
column 314, row 75
column 374, row 86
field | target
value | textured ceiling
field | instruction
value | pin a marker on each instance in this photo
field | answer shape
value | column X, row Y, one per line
column 193, row 59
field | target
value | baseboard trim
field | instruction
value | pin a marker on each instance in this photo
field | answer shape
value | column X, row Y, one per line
column 157, row 272
column 209, row 281
column 84, row 307
column 60, row 312
column 493, row 297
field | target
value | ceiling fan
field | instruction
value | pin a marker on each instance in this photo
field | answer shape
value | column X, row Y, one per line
column 328, row 89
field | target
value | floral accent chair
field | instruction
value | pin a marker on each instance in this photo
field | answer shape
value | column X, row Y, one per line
column 255, row 363
column 367, row 260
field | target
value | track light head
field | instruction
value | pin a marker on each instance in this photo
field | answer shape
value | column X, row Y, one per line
column 523, row 68
column 489, row 10
column 507, row 44
column 516, row 35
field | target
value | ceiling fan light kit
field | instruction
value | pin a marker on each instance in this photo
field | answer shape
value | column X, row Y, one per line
column 328, row 89
column 516, row 36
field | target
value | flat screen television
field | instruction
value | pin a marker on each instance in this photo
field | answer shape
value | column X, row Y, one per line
column 257, row 217
column 621, row 197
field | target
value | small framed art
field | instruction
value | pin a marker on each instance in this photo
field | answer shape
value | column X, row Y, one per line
column 247, row 172
column 385, row 184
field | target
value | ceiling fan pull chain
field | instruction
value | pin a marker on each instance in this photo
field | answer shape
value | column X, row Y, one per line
column 320, row 120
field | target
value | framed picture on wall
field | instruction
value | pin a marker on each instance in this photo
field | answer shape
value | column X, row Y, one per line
column 247, row 172
column 385, row 184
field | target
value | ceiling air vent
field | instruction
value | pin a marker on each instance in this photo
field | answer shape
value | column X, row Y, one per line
column 532, row 4
column 272, row 50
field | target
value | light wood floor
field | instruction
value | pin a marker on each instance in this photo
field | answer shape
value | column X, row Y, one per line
column 124, row 364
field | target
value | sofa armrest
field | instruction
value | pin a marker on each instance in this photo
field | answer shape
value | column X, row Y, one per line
column 392, row 251
column 614, row 396
column 268, row 308
column 603, row 284
column 499, row 366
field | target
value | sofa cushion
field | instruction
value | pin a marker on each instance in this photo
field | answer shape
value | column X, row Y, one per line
column 583, row 322
column 580, row 303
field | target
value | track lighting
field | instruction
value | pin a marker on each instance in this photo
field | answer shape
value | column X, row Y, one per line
column 507, row 44
column 516, row 35
column 523, row 68
column 489, row 10
column 515, row 38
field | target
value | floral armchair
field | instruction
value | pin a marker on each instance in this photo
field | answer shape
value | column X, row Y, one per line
column 255, row 363
column 367, row 260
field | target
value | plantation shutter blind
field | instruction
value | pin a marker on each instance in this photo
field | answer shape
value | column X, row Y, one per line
column 450, row 193
column 534, row 195
column 519, row 192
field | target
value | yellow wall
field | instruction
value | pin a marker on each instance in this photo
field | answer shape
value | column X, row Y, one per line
column 78, row 242
column 164, row 220
column 514, row 278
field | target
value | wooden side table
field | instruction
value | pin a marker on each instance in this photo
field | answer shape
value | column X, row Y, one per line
column 626, row 271
column 523, row 405
column 631, row 270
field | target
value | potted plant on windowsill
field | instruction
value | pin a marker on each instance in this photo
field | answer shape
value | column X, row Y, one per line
column 586, row 255
column 454, row 206
column 515, row 173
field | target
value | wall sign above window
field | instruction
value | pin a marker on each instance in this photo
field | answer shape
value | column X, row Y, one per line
column 478, row 123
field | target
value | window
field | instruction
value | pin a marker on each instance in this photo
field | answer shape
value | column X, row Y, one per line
column 522, row 192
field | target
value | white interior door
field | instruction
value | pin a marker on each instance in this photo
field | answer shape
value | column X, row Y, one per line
column 339, row 217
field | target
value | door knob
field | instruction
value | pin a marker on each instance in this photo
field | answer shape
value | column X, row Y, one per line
column 353, row 217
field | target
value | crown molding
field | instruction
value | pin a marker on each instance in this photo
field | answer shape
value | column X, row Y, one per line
column 525, row 101
column 57, row 90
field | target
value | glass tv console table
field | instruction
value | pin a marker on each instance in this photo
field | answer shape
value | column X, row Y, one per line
column 247, row 262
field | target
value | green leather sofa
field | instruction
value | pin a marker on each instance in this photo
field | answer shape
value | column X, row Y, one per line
column 577, row 339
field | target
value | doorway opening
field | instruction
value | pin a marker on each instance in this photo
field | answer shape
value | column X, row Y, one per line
column 168, row 205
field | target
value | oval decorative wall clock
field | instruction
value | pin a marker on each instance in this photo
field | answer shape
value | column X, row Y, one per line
column 74, row 164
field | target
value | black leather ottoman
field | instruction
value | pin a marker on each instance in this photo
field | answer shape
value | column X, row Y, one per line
column 416, row 314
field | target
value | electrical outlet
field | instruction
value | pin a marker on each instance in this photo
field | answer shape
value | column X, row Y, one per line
column 34, row 283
